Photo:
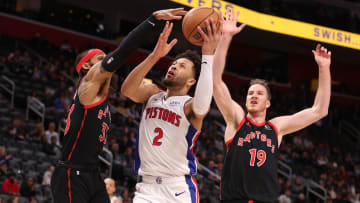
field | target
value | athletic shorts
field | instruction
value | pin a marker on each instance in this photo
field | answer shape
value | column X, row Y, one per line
column 181, row 189
column 74, row 186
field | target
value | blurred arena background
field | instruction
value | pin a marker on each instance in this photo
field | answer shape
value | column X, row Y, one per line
column 39, row 40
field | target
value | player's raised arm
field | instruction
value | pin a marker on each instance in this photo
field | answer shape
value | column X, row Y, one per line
column 199, row 106
column 133, row 87
column 297, row 121
column 231, row 111
column 131, row 43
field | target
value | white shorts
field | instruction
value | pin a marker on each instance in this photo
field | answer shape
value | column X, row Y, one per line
column 170, row 189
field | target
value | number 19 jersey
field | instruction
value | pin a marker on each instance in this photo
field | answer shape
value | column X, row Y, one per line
column 250, row 165
column 166, row 138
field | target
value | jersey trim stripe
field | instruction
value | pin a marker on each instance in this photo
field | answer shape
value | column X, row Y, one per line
column 137, row 156
column 253, row 122
column 78, row 135
column 240, row 124
column 95, row 104
column 276, row 131
column 193, row 188
column 197, row 189
column 191, row 136
column 185, row 111
column 69, row 184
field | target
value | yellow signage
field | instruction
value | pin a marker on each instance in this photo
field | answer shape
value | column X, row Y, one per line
column 282, row 25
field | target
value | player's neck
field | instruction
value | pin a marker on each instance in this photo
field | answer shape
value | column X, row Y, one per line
column 257, row 117
column 176, row 92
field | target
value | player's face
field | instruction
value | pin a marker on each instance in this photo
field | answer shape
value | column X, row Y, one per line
column 95, row 59
column 257, row 99
column 110, row 186
column 179, row 73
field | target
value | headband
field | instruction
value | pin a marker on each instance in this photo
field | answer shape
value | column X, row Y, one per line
column 86, row 58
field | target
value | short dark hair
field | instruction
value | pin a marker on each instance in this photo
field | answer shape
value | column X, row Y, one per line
column 263, row 83
column 77, row 60
column 194, row 57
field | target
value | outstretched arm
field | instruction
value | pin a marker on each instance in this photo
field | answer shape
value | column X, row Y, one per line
column 297, row 121
column 133, row 87
column 199, row 106
column 231, row 111
column 131, row 43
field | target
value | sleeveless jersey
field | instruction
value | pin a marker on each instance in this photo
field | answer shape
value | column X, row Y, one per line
column 86, row 131
column 166, row 138
column 250, row 166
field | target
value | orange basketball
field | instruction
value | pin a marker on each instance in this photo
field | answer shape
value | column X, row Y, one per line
column 196, row 17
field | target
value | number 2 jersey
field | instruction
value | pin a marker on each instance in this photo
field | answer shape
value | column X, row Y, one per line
column 250, row 166
column 166, row 138
column 86, row 131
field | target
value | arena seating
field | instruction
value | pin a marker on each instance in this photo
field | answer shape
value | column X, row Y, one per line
column 310, row 153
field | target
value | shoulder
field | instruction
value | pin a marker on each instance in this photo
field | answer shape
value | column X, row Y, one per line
column 273, row 126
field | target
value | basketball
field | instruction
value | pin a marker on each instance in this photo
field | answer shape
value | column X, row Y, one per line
column 196, row 17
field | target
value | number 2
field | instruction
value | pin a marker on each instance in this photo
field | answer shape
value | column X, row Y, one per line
column 261, row 155
column 158, row 137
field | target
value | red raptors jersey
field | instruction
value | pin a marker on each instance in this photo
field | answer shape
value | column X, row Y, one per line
column 86, row 131
column 250, row 166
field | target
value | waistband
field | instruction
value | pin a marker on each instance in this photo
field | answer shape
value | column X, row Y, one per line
column 160, row 180
column 78, row 167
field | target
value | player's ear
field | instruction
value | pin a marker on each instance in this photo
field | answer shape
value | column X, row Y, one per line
column 86, row 65
column 268, row 103
column 191, row 82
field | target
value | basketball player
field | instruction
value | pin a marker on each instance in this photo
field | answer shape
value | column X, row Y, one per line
column 171, row 120
column 250, row 166
column 76, row 177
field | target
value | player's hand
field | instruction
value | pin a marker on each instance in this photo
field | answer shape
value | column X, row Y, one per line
column 228, row 26
column 162, row 48
column 322, row 56
column 169, row 14
column 211, row 37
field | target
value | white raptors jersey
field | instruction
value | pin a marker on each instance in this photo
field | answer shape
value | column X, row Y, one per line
column 166, row 138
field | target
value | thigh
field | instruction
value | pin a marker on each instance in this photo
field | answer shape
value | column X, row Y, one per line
column 59, row 186
column 68, row 186
column 147, row 193
column 100, row 195
column 78, row 186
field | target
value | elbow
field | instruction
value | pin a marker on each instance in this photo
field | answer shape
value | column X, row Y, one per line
column 321, row 112
column 201, row 111
column 324, row 113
